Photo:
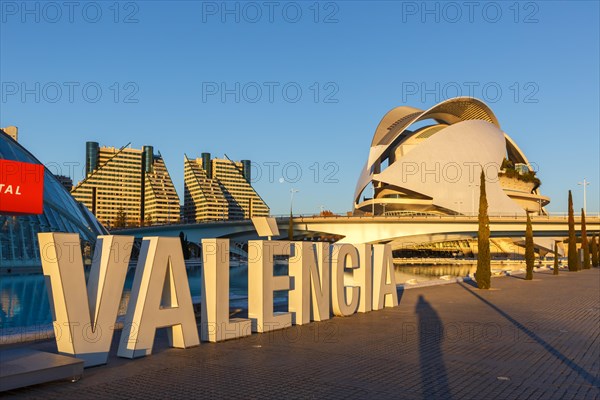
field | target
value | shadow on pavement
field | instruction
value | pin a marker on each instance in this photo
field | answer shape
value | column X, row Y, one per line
column 434, row 378
column 471, row 282
column 565, row 360
column 400, row 291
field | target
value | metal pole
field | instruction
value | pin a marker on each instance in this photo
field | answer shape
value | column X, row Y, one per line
column 584, row 184
column 473, row 186
column 292, row 191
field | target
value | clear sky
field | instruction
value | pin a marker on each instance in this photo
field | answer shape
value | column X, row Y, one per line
column 299, row 87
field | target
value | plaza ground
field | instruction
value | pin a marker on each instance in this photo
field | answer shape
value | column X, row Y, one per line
column 535, row 339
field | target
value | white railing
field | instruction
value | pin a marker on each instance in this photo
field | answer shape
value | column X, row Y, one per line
column 551, row 216
column 590, row 217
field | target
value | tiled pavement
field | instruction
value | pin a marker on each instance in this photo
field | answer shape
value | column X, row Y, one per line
column 535, row 339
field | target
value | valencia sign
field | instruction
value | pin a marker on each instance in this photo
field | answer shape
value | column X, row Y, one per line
column 323, row 281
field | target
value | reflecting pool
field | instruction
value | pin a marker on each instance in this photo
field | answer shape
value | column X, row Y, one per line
column 24, row 300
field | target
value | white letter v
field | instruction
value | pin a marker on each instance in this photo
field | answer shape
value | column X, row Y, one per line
column 84, row 322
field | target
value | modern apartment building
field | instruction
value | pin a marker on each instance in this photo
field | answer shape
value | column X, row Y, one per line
column 65, row 181
column 220, row 189
column 127, row 186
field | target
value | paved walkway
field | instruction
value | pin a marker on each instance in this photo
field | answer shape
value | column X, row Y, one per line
column 524, row 339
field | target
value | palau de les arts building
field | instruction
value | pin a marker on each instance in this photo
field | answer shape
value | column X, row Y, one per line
column 429, row 162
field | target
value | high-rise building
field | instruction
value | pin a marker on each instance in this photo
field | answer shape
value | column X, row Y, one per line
column 65, row 181
column 220, row 189
column 127, row 186
column 13, row 132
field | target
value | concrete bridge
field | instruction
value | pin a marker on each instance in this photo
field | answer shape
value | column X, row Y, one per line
column 400, row 230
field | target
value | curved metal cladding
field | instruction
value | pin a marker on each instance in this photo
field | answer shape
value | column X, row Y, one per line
column 92, row 150
column 19, row 249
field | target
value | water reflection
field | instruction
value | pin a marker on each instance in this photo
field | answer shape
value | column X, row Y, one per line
column 24, row 299
column 422, row 273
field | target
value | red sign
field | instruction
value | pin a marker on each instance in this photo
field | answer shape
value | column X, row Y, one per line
column 21, row 187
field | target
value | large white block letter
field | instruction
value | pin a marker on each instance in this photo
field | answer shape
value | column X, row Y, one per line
column 160, row 297
column 262, row 284
column 344, row 295
column 309, row 269
column 385, row 293
column 84, row 322
column 216, row 325
column 363, row 277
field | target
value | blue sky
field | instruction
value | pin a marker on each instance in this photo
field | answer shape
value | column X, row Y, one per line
column 305, row 83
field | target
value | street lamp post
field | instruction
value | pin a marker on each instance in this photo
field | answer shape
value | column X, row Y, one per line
column 459, row 205
column 584, row 184
column 292, row 191
column 473, row 186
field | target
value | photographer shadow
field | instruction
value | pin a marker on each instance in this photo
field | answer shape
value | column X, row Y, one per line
column 434, row 377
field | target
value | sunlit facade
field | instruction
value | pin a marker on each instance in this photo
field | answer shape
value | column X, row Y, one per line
column 127, row 187
column 220, row 189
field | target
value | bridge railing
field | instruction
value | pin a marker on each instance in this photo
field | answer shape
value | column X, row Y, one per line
column 427, row 216
column 407, row 216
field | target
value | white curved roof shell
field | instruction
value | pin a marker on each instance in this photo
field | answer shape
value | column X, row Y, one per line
column 446, row 164
column 447, row 167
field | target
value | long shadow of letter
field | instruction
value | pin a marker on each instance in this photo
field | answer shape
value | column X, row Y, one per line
column 434, row 378
column 561, row 357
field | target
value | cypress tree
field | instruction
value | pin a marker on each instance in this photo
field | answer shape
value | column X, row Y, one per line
column 584, row 243
column 484, row 272
column 573, row 262
column 598, row 250
column 555, row 272
column 594, row 250
column 529, row 252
